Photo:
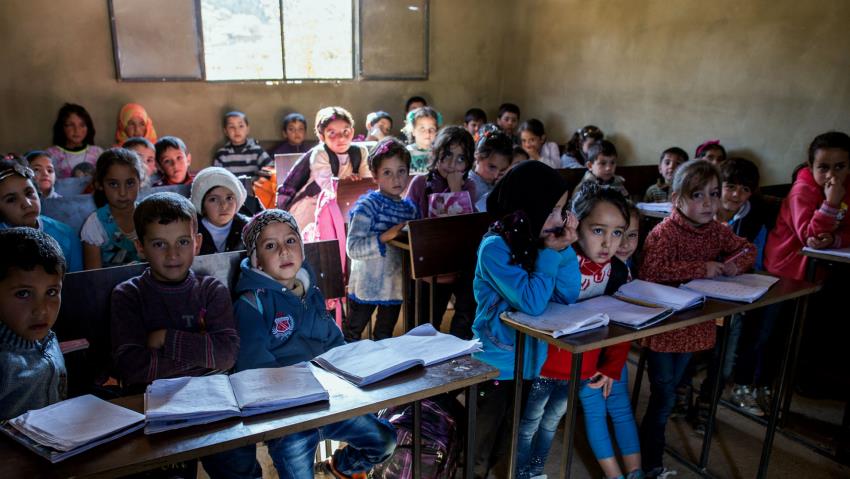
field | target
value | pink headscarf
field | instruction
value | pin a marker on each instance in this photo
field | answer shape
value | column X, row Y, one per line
column 127, row 112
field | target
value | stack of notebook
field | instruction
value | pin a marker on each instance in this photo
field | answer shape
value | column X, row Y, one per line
column 745, row 288
column 654, row 294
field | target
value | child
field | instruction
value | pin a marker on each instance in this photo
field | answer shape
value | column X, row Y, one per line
column 688, row 244
column 508, row 119
column 601, row 166
column 83, row 170
column 217, row 196
column 524, row 262
column 630, row 241
column 32, row 369
column 532, row 136
column 376, row 279
column 173, row 160
column 20, row 206
column 147, row 154
column 133, row 121
column 282, row 321
column 45, row 174
column 493, row 152
column 519, row 156
column 73, row 140
column 293, row 131
column 603, row 217
column 711, row 151
column 414, row 103
column 421, row 129
column 473, row 120
column 575, row 155
column 109, row 234
column 379, row 124
column 168, row 322
column 241, row 154
column 670, row 159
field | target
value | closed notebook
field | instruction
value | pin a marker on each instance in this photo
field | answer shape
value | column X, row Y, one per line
column 563, row 319
column 745, row 288
column 187, row 401
column 70, row 427
column 654, row 294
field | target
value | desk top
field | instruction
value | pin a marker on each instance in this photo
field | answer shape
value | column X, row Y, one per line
column 783, row 290
column 825, row 255
column 138, row 452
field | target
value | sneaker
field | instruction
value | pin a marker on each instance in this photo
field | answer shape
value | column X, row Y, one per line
column 636, row 474
column 327, row 469
column 661, row 473
column 744, row 397
column 763, row 396
column 703, row 410
column 683, row 402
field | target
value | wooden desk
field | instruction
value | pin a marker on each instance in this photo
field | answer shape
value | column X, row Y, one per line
column 783, row 290
column 138, row 452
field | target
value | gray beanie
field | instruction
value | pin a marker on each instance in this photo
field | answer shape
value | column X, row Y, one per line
column 251, row 231
column 209, row 178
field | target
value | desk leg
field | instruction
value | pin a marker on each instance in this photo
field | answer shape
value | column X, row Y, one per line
column 471, row 416
column 519, row 350
column 789, row 377
column 572, row 408
column 417, row 440
column 716, row 389
column 639, row 377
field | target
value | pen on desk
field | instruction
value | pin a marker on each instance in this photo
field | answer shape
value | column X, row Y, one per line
column 736, row 256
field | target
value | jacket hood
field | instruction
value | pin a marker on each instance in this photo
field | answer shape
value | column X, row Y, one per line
column 252, row 279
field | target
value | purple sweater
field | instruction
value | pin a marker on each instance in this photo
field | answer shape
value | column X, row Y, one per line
column 198, row 315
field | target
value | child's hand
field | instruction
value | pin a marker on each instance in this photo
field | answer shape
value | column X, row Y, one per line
column 156, row 339
column 834, row 192
column 353, row 178
column 713, row 269
column 730, row 269
column 600, row 380
column 821, row 241
column 391, row 233
column 455, row 181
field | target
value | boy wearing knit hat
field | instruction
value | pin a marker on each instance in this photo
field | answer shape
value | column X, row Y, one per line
column 217, row 196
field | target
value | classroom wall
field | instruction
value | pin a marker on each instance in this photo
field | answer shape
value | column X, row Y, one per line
column 58, row 51
column 764, row 76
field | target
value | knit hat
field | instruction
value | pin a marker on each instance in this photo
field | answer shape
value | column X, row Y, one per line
column 251, row 231
column 209, row 178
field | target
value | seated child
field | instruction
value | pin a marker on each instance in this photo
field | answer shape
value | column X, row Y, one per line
column 473, row 120
column 379, row 125
column 134, row 122
column 45, row 175
column 671, row 159
column 173, row 160
column 630, row 241
column 168, row 322
column 32, row 369
column 293, row 131
column 711, row 151
column 376, row 279
column 508, row 119
column 217, row 196
column 575, row 155
column 283, row 321
column 532, row 137
column 83, row 170
column 241, row 154
column 421, row 129
column 493, row 155
column 109, row 234
column 601, row 166
column 147, row 154
column 519, row 156
column 73, row 140
column 20, row 206
column 414, row 103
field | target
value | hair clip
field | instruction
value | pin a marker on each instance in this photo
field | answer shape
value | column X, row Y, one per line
column 17, row 169
column 383, row 149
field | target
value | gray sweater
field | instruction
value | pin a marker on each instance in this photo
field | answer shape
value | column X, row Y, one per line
column 32, row 373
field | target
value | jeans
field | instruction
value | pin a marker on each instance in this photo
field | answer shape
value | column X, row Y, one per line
column 360, row 314
column 541, row 413
column 370, row 441
column 596, row 411
column 665, row 370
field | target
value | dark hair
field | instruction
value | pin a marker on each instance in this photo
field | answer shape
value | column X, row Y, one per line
column 167, row 142
column 25, row 248
column 675, row 150
column 692, row 176
column 67, row 110
column 704, row 148
column 574, row 145
column 163, row 208
column 508, row 108
column 475, row 114
column 518, row 150
column 414, row 99
column 387, row 148
column 233, row 114
column 85, row 168
column 377, row 116
column 16, row 163
column 534, row 126
column 294, row 117
column 601, row 148
column 830, row 139
column 591, row 194
column 492, row 140
column 448, row 136
column 740, row 171
column 110, row 157
column 326, row 115
column 413, row 116
column 138, row 141
column 31, row 155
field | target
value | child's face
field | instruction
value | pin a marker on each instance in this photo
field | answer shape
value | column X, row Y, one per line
column 384, row 126
column 472, row 126
column 601, row 232
column 75, row 130
column 148, row 156
column 170, row 249
column 424, row 132
column 530, row 141
column 45, row 176
column 19, row 203
column 667, row 166
column 29, row 301
column 830, row 164
column 81, row 173
column 236, row 130
column 136, row 127
column 294, row 132
column 493, row 167
column 604, row 167
column 630, row 240
column 586, row 144
column 702, row 205
column 121, row 187
column 219, row 206
column 337, row 136
column 733, row 196
column 414, row 105
column 557, row 217
column 518, row 158
column 713, row 156
column 174, row 163
column 392, row 176
column 453, row 161
column 507, row 122
column 279, row 253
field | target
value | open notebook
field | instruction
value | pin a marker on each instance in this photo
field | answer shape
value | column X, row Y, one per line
column 745, row 288
column 365, row 362
column 187, row 401
column 654, row 294
column 70, row 427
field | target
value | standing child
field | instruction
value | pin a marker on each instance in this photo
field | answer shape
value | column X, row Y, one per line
column 217, row 196
column 711, row 151
column 671, row 159
column 601, row 166
column 173, row 160
column 378, row 216
column 241, row 154
column 134, row 122
column 493, row 152
column 147, row 154
column 293, row 131
column 532, row 137
column 109, row 234
column 575, row 155
column 73, row 140
column 688, row 244
column 473, row 120
column 421, row 129
column 45, row 174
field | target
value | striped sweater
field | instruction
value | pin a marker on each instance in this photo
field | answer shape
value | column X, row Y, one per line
column 244, row 159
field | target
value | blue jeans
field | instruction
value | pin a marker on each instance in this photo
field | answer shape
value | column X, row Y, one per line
column 665, row 370
column 542, row 411
column 596, row 411
column 370, row 441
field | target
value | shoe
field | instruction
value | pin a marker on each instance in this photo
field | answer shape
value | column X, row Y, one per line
column 744, row 397
column 683, row 402
column 661, row 473
column 326, row 469
column 636, row 474
column 763, row 396
column 703, row 410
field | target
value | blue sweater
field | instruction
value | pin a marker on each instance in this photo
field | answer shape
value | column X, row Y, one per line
column 277, row 327
column 500, row 286
column 32, row 373
column 68, row 240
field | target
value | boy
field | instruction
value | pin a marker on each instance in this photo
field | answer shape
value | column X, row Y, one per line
column 474, row 119
column 241, row 154
column 414, row 103
column 32, row 369
column 168, row 322
column 508, row 120
column 283, row 321
column 173, row 160
column 147, row 153
column 601, row 165
column 671, row 158
column 379, row 124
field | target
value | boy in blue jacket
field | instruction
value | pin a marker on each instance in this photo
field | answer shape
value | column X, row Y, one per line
column 282, row 321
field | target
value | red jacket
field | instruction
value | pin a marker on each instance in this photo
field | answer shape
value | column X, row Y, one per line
column 804, row 214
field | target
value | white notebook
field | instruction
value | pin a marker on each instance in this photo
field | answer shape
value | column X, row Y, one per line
column 70, row 427
column 654, row 294
column 365, row 362
column 666, row 207
column 745, row 288
column 626, row 313
column 563, row 319
column 187, row 401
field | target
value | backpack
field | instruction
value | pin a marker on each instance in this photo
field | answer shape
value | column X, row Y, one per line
column 292, row 189
column 441, row 440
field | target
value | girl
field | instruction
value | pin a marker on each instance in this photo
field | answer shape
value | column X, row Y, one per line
column 524, row 262
column 20, row 206
column 73, row 140
column 45, row 175
column 133, row 121
column 376, row 279
column 532, row 137
column 293, row 131
column 217, row 195
column 576, row 150
column 686, row 245
column 493, row 155
column 421, row 129
column 630, row 241
column 711, row 151
column 109, row 233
